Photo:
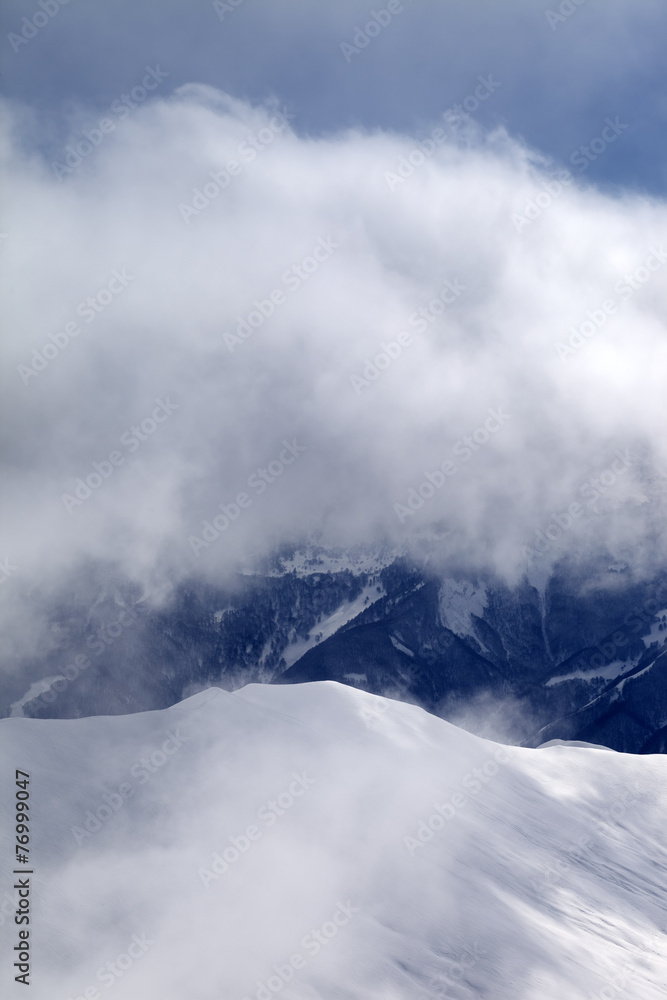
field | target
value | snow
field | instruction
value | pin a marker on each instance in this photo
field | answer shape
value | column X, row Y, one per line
column 574, row 743
column 459, row 601
column 313, row 559
column 658, row 632
column 35, row 689
column 634, row 676
column 219, row 615
column 330, row 843
column 613, row 669
column 399, row 645
column 326, row 627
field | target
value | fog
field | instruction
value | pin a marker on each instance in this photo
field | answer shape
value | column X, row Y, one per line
column 174, row 335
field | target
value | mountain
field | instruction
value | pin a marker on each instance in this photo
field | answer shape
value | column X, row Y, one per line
column 573, row 651
column 316, row 841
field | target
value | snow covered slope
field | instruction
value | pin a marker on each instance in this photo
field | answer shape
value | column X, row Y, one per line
column 317, row 842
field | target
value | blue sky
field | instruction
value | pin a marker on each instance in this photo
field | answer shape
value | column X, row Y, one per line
column 561, row 74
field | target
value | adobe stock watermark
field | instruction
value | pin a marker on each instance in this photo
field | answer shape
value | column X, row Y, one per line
column 224, row 7
column 246, row 153
column 565, row 10
column 8, row 906
column 101, row 639
column 259, row 481
column 141, row 771
column 613, row 646
column 584, row 155
column 293, row 278
column 473, row 782
column 377, row 22
column 420, row 320
column 555, row 870
column 596, row 318
column 88, row 309
column 131, row 440
column 6, row 569
column 554, row 187
column 453, row 117
column 616, row 988
column 464, row 449
column 30, row 27
column 372, row 716
column 312, row 943
column 93, row 137
column 109, row 973
column 458, row 963
column 268, row 814
column 593, row 490
column 585, row 847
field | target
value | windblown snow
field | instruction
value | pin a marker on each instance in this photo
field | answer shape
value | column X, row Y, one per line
column 315, row 841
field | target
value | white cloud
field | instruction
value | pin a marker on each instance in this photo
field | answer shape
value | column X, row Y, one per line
column 493, row 346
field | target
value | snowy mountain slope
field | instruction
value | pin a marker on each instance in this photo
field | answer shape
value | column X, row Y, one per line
column 314, row 841
column 581, row 657
column 328, row 626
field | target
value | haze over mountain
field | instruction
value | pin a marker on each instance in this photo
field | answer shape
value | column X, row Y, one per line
column 232, row 365
column 333, row 522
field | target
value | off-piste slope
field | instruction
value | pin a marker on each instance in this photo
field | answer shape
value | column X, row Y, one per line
column 315, row 841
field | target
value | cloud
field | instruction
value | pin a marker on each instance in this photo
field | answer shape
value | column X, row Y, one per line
column 259, row 291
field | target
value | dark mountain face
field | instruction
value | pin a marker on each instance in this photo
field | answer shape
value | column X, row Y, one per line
column 579, row 662
column 581, row 659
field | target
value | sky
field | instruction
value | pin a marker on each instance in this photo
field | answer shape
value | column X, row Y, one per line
column 275, row 270
column 561, row 73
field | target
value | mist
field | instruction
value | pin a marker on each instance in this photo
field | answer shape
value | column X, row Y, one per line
column 249, row 336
